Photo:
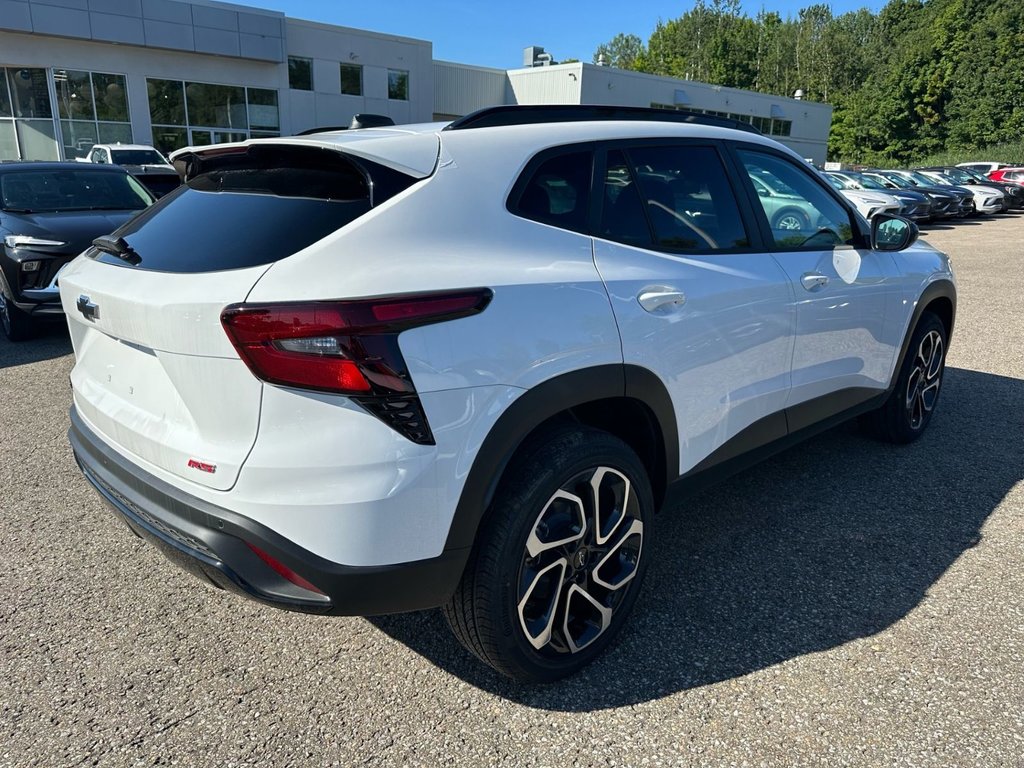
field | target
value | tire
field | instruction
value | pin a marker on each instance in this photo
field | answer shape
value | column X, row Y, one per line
column 910, row 406
column 790, row 219
column 543, row 594
column 16, row 325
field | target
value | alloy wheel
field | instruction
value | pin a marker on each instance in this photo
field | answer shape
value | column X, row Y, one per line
column 580, row 558
column 925, row 379
column 789, row 221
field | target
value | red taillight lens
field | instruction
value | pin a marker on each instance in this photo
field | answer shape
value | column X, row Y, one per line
column 283, row 570
column 346, row 347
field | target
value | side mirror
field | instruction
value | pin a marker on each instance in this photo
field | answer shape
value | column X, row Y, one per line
column 892, row 233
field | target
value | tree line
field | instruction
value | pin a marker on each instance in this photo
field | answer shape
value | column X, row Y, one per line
column 918, row 78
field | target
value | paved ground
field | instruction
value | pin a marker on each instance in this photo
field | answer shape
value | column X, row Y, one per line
column 846, row 603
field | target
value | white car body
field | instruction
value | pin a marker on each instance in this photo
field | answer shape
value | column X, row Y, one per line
column 160, row 390
column 987, row 200
column 869, row 202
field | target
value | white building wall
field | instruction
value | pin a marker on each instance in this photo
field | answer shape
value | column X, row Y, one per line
column 329, row 47
column 460, row 89
column 811, row 121
column 558, row 84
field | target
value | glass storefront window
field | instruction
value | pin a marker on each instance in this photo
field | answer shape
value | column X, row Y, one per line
column 5, row 96
column 263, row 111
column 74, row 94
column 79, row 136
column 220, row 106
column 38, row 139
column 111, row 95
column 210, row 113
column 115, row 133
column 398, row 84
column 168, row 138
column 166, row 101
column 30, row 93
column 8, row 142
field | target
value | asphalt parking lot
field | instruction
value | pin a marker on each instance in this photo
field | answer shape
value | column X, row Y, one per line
column 845, row 603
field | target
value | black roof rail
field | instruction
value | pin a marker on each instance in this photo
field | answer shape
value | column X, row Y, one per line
column 514, row 114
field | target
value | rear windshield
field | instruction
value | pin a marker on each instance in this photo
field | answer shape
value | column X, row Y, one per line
column 71, row 190
column 249, row 208
column 137, row 157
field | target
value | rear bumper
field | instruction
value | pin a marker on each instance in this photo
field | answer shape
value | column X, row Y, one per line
column 213, row 544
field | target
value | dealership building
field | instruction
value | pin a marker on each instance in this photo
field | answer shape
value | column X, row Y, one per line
column 174, row 73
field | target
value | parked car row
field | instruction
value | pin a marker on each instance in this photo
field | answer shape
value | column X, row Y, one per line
column 928, row 194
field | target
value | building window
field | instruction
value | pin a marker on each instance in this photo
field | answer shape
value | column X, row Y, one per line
column 221, row 106
column 352, row 79
column 781, row 127
column 93, row 109
column 199, row 114
column 264, row 116
column 27, row 130
column 300, row 74
column 398, row 84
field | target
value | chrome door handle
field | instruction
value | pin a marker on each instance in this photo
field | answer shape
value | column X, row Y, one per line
column 661, row 298
column 812, row 281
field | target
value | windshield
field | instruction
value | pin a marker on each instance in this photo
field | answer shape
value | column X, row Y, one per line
column 868, row 183
column 137, row 157
column 895, row 178
column 71, row 190
column 923, row 180
column 958, row 175
column 837, row 183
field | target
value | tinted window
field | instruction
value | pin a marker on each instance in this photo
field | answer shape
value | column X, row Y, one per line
column 249, row 208
column 622, row 216
column 688, row 199
column 558, row 192
column 70, row 190
column 800, row 212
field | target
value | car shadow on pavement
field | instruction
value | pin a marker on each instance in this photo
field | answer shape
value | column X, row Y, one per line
column 50, row 341
column 833, row 540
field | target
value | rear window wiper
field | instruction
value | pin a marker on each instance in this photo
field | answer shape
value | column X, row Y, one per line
column 116, row 246
column 19, row 210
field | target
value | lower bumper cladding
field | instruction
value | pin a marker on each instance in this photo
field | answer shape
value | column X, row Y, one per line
column 232, row 552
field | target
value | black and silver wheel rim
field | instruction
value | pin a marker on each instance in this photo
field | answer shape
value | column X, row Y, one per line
column 789, row 221
column 580, row 558
column 5, row 316
column 925, row 379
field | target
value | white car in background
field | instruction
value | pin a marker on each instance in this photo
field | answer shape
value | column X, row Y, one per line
column 987, row 200
column 463, row 365
column 143, row 162
column 869, row 203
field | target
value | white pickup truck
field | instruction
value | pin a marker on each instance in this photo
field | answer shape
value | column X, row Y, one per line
column 144, row 163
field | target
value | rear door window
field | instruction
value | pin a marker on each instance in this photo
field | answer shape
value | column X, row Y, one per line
column 558, row 192
column 251, row 207
column 675, row 198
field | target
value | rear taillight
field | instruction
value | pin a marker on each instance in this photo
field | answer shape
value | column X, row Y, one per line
column 347, row 347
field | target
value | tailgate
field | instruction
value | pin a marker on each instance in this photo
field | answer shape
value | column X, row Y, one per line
column 155, row 373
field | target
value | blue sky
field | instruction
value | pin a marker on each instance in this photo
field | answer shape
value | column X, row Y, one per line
column 494, row 33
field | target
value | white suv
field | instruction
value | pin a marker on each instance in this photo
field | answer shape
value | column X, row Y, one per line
column 464, row 365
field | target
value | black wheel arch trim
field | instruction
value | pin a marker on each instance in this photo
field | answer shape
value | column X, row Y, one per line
column 543, row 402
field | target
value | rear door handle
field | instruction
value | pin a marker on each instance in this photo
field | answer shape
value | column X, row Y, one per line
column 812, row 281
column 661, row 298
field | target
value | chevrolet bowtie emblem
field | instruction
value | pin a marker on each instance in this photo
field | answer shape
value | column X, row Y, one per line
column 88, row 309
